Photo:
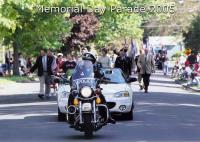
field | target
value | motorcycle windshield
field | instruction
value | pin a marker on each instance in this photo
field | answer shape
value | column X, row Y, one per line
column 84, row 75
column 83, row 69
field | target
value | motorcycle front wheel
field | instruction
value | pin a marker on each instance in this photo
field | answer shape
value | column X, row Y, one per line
column 88, row 129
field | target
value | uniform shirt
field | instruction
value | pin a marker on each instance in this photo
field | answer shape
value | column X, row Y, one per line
column 124, row 63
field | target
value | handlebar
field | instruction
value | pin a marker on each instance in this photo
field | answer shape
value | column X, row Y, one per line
column 60, row 79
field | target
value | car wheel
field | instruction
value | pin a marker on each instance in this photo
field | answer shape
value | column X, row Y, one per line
column 61, row 116
column 129, row 115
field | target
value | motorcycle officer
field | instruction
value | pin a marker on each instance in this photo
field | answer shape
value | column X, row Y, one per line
column 97, row 74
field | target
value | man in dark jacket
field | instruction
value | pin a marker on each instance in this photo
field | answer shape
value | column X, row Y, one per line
column 124, row 63
column 192, row 59
column 44, row 66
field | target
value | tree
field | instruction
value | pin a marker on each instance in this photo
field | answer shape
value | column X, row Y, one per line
column 192, row 39
column 28, row 29
column 173, row 23
column 85, row 25
column 113, row 24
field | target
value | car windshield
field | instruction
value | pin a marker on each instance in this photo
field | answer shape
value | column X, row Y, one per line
column 114, row 75
column 83, row 69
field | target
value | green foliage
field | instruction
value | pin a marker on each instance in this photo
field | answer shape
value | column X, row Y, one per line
column 173, row 23
column 12, row 79
column 192, row 39
column 115, row 25
column 177, row 55
column 37, row 29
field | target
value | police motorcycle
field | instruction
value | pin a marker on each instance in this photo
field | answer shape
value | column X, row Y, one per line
column 87, row 110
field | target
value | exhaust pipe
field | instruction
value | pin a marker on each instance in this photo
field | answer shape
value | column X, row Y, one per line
column 71, row 109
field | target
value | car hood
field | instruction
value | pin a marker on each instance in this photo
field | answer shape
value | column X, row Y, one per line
column 114, row 88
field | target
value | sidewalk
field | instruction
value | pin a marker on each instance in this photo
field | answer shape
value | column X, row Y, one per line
column 183, row 84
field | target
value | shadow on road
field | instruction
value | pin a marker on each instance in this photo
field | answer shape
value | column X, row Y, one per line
column 80, row 137
column 24, row 98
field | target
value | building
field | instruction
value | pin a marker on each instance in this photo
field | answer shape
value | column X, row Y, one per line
column 172, row 44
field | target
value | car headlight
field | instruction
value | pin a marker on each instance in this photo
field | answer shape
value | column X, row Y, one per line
column 86, row 92
column 122, row 94
column 64, row 94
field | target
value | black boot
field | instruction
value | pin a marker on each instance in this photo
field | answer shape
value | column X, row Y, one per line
column 111, row 120
column 41, row 96
column 146, row 89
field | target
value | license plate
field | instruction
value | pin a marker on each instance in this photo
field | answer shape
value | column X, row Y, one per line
column 86, row 107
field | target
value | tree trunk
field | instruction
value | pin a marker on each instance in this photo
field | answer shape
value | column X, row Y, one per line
column 16, row 46
column 16, row 58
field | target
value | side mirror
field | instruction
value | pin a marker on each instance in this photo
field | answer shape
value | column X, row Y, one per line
column 108, row 71
column 61, row 80
column 101, row 73
column 131, row 79
column 104, row 80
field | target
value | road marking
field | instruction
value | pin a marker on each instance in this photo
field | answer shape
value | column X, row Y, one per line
column 23, row 116
column 27, row 104
column 168, row 104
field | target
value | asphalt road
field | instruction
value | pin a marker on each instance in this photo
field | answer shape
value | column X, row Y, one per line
column 167, row 114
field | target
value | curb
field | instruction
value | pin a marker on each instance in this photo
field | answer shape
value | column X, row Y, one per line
column 187, row 87
column 27, row 81
column 190, row 88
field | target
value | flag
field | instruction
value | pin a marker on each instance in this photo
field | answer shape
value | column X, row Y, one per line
column 133, row 48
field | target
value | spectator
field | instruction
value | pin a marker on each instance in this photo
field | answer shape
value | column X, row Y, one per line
column 163, row 59
column 192, row 59
column 138, row 69
column 84, row 50
column 182, row 60
column 165, row 65
column 53, row 65
column 124, row 63
column 8, row 64
column 44, row 65
column 88, row 48
column 29, row 63
column 22, row 61
column 126, row 49
column 68, row 66
column 104, row 59
column 1, row 71
column 198, row 59
column 59, row 62
column 116, row 52
column 22, row 71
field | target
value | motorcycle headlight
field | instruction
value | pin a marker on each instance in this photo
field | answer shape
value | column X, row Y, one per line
column 86, row 92
column 122, row 94
column 64, row 94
